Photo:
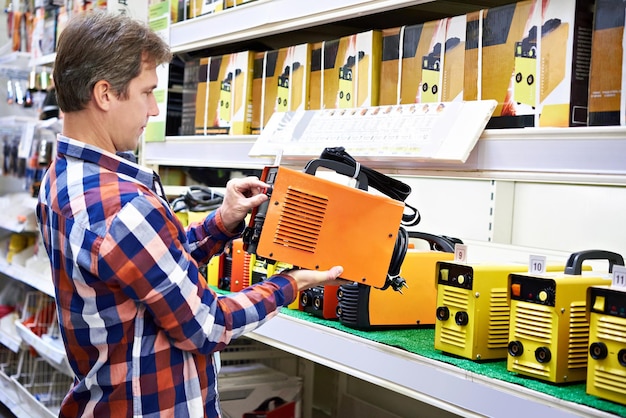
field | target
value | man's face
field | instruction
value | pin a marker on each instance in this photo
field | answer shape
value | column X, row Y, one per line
column 130, row 115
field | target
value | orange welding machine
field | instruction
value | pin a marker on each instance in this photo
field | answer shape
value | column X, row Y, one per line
column 314, row 223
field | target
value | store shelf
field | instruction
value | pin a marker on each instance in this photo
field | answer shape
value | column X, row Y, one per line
column 267, row 17
column 20, row 402
column 34, row 279
column 447, row 387
column 204, row 151
column 51, row 350
column 575, row 155
column 9, row 337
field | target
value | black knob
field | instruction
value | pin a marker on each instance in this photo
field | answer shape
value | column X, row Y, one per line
column 516, row 348
column 461, row 318
column 443, row 313
column 598, row 351
column 621, row 357
column 543, row 355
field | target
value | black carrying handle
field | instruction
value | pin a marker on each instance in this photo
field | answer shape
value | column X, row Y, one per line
column 339, row 167
column 389, row 186
column 437, row 242
column 575, row 261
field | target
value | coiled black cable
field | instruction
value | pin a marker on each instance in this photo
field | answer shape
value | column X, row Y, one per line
column 198, row 199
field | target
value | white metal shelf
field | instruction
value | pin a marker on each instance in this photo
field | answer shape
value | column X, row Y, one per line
column 34, row 279
column 220, row 151
column 445, row 386
column 19, row 401
column 574, row 155
column 268, row 17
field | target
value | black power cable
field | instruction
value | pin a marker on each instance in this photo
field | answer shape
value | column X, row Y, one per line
column 198, row 199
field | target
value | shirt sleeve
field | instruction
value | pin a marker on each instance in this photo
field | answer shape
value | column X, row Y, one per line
column 202, row 236
column 144, row 254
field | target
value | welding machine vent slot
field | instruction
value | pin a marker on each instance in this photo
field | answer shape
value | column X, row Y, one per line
column 456, row 337
column 611, row 330
column 607, row 380
column 532, row 368
column 246, row 270
column 499, row 315
column 578, row 336
column 533, row 322
column 301, row 220
column 455, row 297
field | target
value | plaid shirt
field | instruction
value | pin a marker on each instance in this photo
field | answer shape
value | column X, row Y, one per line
column 139, row 324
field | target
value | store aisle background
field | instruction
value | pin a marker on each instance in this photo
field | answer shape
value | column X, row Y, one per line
column 6, row 110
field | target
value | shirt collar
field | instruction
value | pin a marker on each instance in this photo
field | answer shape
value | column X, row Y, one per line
column 123, row 163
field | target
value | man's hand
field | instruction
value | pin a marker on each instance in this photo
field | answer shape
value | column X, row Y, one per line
column 241, row 196
column 307, row 279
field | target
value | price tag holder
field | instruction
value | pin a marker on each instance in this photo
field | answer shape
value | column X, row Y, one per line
column 619, row 277
column 537, row 264
column 460, row 253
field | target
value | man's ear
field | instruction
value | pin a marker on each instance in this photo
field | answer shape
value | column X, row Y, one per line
column 103, row 94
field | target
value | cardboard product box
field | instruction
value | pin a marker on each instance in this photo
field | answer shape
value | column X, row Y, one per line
column 565, row 51
column 454, row 59
column 471, row 64
column 411, row 70
column 535, row 62
column 235, row 3
column 190, row 86
column 345, row 72
column 280, row 83
column 203, row 7
column 389, row 67
column 250, row 387
column 503, row 29
column 607, row 73
column 224, row 94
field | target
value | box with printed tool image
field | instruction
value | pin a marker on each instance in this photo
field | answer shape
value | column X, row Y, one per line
column 608, row 71
column 535, row 62
column 411, row 63
column 345, row 72
column 280, row 83
column 223, row 98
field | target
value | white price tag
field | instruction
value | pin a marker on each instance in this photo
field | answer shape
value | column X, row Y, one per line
column 619, row 277
column 537, row 264
column 460, row 253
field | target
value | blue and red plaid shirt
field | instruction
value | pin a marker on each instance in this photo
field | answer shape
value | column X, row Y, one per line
column 139, row 323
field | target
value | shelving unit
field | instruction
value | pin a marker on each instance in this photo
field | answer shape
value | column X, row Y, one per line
column 502, row 174
column 506, row 167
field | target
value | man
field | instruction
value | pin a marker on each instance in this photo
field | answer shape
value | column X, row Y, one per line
column 139, row 324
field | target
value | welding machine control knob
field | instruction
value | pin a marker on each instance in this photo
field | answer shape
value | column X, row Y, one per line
column 598, row 351
column 546, row 295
